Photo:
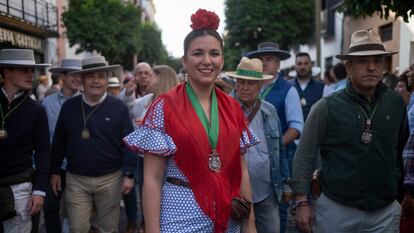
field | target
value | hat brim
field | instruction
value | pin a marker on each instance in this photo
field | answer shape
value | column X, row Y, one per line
column 282, row 55
column 40, row 65
column 64, row 70
column 114, row 85
column 98, row 69
column 365, row 53
column 234, row 75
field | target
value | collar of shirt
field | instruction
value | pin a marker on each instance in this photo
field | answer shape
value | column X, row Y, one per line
column 273, row 81
column 17, row 95
column 94, row 104
column 62, row 96
column 303, row 84
column 247, row 110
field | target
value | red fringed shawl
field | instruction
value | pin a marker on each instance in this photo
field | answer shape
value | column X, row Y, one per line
column 213, row 191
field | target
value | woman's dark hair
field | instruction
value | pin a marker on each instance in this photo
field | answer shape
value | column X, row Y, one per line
column 339, row 71
column 403, row 78
column 203, row 32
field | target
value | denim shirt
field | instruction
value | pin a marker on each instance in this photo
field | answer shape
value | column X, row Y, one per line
column 279, row 170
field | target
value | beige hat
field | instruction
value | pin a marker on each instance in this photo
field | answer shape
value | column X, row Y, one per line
column 250, row 69
column 113, row 82
column 95, row 64
column 365, row 43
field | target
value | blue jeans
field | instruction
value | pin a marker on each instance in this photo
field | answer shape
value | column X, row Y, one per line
column 52, row 206
column 266, row 213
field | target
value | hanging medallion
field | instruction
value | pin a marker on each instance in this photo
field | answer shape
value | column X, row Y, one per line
column 214, row 162
column 85, row 134
column 367, row 133
column 3, row 134
column 303, row 101
column 366, row 136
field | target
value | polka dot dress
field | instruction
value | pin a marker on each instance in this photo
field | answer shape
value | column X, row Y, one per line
column 179, row 210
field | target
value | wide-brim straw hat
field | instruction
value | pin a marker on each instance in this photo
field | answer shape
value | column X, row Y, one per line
column 67, row 65
column 19, row 58
column 96, row 64
column 269, row 48
column 365, row 43
column 250, row 69
column 113, row 82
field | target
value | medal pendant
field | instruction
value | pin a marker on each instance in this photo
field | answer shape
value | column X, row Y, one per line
column 366, row 136
column 85, row 134
column 303, row 101
column 214, row 162
column 3, row 134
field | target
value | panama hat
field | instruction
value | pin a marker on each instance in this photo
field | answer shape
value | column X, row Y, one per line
column 365, row 43
column 113, row 82
column 95, row 64
column 67, row 65
column 19, row 58
column 269, row 48
column 250, row 69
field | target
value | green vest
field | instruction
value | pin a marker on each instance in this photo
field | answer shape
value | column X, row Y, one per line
column 355, row 174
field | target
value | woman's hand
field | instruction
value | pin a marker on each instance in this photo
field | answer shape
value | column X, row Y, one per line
column 250, row 227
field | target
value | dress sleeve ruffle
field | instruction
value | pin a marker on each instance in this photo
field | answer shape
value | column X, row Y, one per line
column 151, row 136
column 248, row 139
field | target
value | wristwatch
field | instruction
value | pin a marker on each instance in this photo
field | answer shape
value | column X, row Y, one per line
column 129, row 175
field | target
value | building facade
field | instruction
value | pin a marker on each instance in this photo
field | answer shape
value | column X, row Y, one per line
column 30, row 24
column 337, row 29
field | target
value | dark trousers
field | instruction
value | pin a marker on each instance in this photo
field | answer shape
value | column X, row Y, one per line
column 52, row 206
column 283, row 207
column 132, row 209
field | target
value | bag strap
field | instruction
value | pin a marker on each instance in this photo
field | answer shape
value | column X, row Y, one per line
column 254, row 111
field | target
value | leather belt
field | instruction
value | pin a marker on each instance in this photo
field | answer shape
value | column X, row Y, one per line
column 178, row 182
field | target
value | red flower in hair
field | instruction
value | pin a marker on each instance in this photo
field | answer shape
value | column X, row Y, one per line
column 204, row 19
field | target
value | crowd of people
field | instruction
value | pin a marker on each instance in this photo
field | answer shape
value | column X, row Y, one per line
column 244, row 152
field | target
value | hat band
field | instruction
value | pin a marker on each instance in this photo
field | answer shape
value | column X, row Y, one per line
column 250, row 73
column 94, row 65
column 366, row 47
column 267, row 48
column 20, row 62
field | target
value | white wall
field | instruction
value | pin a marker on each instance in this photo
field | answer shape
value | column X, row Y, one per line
column 405, row 49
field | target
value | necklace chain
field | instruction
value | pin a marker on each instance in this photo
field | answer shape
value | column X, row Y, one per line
column 90, row 114
column 4, row 117
column 368, row 119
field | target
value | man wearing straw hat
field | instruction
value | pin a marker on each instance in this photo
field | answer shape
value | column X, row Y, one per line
column 23, row 130
column 88, row 132
column 267, row 163
column 114, row 87
column 71, row 84
column 360, row 132
column 285, row 99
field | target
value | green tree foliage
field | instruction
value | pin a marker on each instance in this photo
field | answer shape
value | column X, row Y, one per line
column 248, row 23
column 357, row 8
column 106, row 26
column 153, row 50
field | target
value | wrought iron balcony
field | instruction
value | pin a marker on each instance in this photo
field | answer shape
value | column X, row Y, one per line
column 38, row 14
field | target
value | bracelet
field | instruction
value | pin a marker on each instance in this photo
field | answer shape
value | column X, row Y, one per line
column 301, row 203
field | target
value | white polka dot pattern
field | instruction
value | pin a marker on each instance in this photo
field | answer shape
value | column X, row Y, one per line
column 151, row 136
column 179, row 210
